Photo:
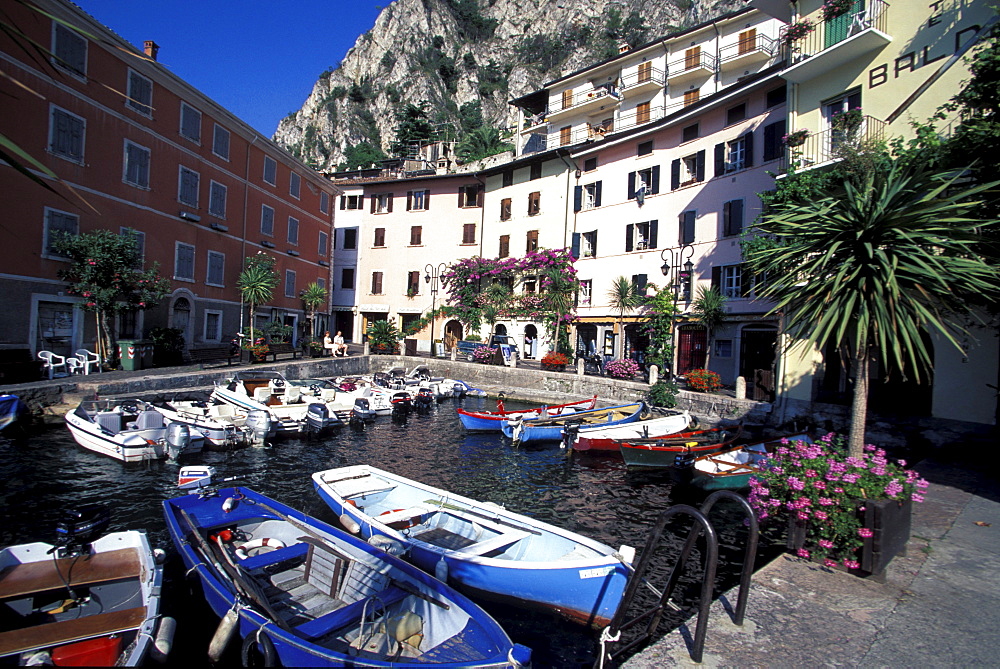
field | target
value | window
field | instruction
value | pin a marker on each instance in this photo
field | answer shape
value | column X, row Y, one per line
column 216, row 269
column 724, row 348
column 294, row 185
column 376, row 283
column 687, row 170
column 289, row 283
column 382, row 203
column 748, row 41
column 140, row 243
column 642, row 183
column 736, row 114
column 322, row 248
column 321, row 282
column 691, row 97
column 640, row 236
column 413, row 283
column 220, row 142
column 567, row 98
column 69, row 49
column 416, row 231
column 692, row 57
column 534, row 203
column 270, row 170
column 417, row 200
column 505, row 209
column 58, row 224
column 642, row 113
column 293, row 231
column 352, row 201
column 644, row 149
column 732, row 218
column 190, row 122
column 471, row 195
column 140, row 93
column 347, row 278
column 136, row 165
column 187, row 187
column 324, row 202
column 530, row 284
column 379, row 237
column 535, row 172
column 588, row 244
column 266, row 220
column 504, row 246
column 350, row 238
column 640, row 281
column 690, row 133
column 590, row 164
column 645, row 71
column 774, row 148
column 565, row 135
column 831, row 108
column 729, row 280
column 532, row 241
column 183, row 262
column 507, row 178
column 469, row 233
column 735, row 155
column 213, row 326
column 66, row 134
column 777, row 96
column 217, row 200
column 586, row 289
column 685, row 226
column 587, row 196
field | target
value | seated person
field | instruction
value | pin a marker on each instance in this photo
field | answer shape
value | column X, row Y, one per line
column 339, row 347
column 328, row 347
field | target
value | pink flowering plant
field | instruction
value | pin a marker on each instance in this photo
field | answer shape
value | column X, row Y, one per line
column 624, row 368
column 485, row 353
column 821, row 486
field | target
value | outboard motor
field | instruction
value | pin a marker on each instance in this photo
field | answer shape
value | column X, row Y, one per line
column 258, row 426
column 569, row 435
column 401, row 403
column 381, row 379
column 79, row 527
column 362, row 409
column 178, row 439
column 317, row 416
column 458, row 390
column 425, row 400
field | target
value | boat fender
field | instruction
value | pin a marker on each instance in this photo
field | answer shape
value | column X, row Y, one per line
column 349, row 523
column 261, row 643
column 390, row 546
column 159, row 555
column 223, row 635
column 243, row 552
column 441, row 570
column 163, row 642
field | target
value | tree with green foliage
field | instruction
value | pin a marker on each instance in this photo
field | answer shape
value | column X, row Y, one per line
column 659, row 317
column 482, row 142
column 257, row 282
column 314, row 297
column 709, row 309
column 412, row 127
column 384, row 336
column 872, row 265
column 361, row 156
column 105, row 272
column 623, row 296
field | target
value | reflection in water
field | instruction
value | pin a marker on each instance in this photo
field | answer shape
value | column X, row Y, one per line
column 592, row 495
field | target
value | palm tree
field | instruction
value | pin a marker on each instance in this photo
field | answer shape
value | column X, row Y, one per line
column 482, row 142
column 314, row 297
column 559, row 294
column 256, row 283
column 871, row 268
column 623, row 296
column 709, row 310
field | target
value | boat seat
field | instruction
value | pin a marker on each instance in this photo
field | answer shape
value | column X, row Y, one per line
column 23, row 579
column 348, row 614
column 110, row 421
column 275, row 556
column 404, row 517
column 262, row 394
column 293, row 394
column 66, row 631
column 147, row 420
column 360, row 487
column 324, row 567
column 498, row 542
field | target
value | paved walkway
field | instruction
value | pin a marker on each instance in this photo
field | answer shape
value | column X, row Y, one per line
column 938, row 607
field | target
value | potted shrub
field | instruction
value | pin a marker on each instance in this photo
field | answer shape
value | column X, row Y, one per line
column 798, row 30
column 624, row 368
column 703, row 380
column 314, row 348
column 486, row 354
column 796, row 138
column 846, row 512
column 834, row 8
column 383, row 337
column 554, row 361
column 258, row 350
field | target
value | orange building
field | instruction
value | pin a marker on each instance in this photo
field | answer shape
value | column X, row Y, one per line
column 149, row 153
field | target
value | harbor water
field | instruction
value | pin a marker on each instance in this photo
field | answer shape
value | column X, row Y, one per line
column 596, row 496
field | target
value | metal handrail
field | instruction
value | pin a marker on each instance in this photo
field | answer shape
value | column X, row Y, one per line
column 824, row 147
column 761, row 43
column 829, row 34
column 652, row 75
column 606, row 91
column 704, row 60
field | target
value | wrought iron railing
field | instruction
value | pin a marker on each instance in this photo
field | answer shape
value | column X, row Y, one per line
column 606, row 92
column 643, row 76
column 828, row 34
column 832, row 144
column 754, row 44
column 701, row 60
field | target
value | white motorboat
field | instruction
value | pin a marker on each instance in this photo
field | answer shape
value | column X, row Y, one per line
column 442, row 387
column 292, row 407
column 224, row 426
column 347, row 390
column 130, row 430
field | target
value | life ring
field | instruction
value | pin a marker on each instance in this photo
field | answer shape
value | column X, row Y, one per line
column 243, row 552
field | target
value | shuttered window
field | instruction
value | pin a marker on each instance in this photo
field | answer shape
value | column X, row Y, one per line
column 66, row 134
column 184, row 262
column 136, row 165
column 187, row 188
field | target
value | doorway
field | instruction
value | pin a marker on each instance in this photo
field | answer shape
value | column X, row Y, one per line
column 692, row 347
column 757, row 356
column 530, row 342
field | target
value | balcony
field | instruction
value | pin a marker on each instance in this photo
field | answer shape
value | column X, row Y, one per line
column 749, row 50
column 585, row 101
column 691, row 66
column 535, row 142
column 830, row 146
column 836, row 42
column 638, row 117
column 643, row 81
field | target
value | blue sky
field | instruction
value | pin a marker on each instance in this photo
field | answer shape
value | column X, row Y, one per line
column 257, row 59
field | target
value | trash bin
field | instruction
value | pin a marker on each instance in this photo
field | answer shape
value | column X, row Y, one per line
column 132, row 354
column 147, row 353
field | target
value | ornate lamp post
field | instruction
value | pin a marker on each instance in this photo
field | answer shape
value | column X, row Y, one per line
column 432, row 275
column 679, row 270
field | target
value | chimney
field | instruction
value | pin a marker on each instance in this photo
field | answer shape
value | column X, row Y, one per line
column 150, row 48
column 622, row 47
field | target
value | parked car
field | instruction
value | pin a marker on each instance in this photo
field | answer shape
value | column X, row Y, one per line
column 466, row 348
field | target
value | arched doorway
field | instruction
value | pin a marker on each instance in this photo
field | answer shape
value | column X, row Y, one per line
column 758, row 346
column 530, row 341
column 500, row 329
column 453, row 333
column 180, row 318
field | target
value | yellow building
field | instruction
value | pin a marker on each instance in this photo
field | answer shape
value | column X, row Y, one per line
column 894, row 64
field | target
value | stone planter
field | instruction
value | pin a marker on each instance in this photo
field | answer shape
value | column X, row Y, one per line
column 889, row 521
column 553, row 368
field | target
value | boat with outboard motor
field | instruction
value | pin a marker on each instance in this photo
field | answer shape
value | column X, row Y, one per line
column 304, row 593
column 480, row 547
column 225, row 427
column 130, row 430
column 493, row 421
column 89, row 599
column 292, row 408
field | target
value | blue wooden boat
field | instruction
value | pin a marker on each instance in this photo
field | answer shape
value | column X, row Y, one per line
column 492, row 421
column 480, row 547
column 306, row 594
column 550, row 428
column 12, row 410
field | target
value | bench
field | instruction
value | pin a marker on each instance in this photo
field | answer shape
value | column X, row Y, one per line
column 30, row 577
column 212, row 353
column 501, row 541
column 281, row 348
column 66, row 631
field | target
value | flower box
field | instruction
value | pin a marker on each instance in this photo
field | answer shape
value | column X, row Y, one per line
column 553, row 367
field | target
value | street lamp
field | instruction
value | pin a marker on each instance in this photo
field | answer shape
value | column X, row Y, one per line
column 432, row 275
column 679, row 270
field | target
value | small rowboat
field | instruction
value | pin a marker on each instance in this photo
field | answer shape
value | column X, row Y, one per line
column 492, row 421
column 604, row 439
column 550, row 428
column 676, row 449
column 731, row 469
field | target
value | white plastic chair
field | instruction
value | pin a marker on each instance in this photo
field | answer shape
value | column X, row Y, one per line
column 74, row 365
column 88, row 359
column 53, row 362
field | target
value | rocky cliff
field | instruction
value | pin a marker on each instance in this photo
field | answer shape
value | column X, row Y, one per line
column 466, row 59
